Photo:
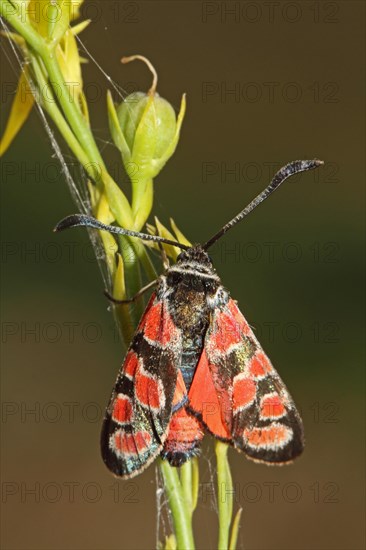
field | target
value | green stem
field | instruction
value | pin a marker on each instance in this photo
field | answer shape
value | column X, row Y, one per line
column 46, row 51
column 55, row 114
column 133, row 285
column 145, row 259
column 178, row 506
column 224, row 494
column 117, row 200
column 75, row 129
column 94, row 163
column 125, row 321
column 186, row 482
column 71, row 111
column 122, row 317
column 142, row 201
column 195, row 482
column 18, row 21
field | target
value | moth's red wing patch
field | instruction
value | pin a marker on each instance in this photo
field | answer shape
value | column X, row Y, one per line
column 185, row 431
column 128, row 444
column 208, row 401
column 241, row 323
column 149, row 390
column 244, row 392
column 184, row 438
column 138, row 416
column 267, row 437
column 259, row 365
column 272, row 406
column 249, row 404
column 157, row 325
column 215, row 393
column 266, row 424
column 122, row 412
column 130, row 365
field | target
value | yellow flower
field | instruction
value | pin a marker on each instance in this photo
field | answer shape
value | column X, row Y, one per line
column 51, row 21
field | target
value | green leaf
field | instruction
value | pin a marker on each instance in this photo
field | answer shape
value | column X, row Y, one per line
column 104, row 214
column 68, row 57
column 117, row 200
column 145, row 143
column 235, row 530
column 115, row 130
column 77, row 29
column 14, row 37
column 119, row 287
column 170, row 543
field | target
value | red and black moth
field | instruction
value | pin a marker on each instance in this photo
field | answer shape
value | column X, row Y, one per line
column 195, row 366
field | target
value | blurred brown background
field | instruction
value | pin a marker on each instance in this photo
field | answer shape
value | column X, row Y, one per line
column 267, row 82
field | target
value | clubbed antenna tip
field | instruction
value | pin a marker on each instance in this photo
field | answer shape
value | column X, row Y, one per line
column 285, row 172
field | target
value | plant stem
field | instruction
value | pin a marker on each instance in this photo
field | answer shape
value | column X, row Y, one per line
column 53, row 93
column 13, row 14
column 76, row 120
column 145, row 259
column 46, row 51
column 224, row 494
column 133, row 285
column 186, row 482
column 54, row 112
column 74, row 128
column 178, row 506
column 71, row 111
column 142, row 201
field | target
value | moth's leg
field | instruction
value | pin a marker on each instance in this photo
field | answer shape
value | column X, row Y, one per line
column 130, row 300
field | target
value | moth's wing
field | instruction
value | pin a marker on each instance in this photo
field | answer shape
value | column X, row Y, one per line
column 138, row 415
column 185, row 430
column 238, row 394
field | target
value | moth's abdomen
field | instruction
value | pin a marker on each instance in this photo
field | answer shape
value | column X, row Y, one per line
column 184, row 438
column 192, row 349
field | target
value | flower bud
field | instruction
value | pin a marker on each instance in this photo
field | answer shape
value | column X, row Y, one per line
column 148, row 130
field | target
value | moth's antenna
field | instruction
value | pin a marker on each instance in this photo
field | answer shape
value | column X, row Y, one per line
column 81, row 219
column 285, row 172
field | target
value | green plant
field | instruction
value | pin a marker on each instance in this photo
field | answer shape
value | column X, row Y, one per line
column 145, row 130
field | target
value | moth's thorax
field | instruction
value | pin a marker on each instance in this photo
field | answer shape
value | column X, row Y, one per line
column 191, row 288
column 195, row 254
column 195, row 263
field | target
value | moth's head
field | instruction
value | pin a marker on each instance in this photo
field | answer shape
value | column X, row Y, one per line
column 195, row 254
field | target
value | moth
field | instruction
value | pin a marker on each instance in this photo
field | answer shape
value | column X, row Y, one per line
column 195, row 366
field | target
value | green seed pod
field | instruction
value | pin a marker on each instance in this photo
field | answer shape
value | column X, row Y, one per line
column 144, row 115
column 145, row 129
column 148, row 130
